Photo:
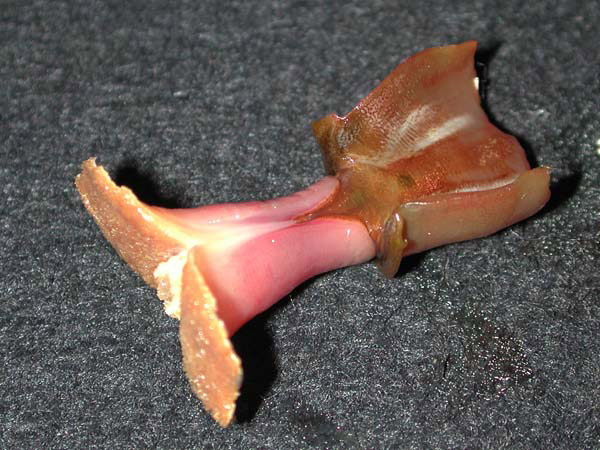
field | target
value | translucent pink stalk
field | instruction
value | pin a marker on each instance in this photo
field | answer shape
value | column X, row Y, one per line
column 253, row 254
column 216, row 267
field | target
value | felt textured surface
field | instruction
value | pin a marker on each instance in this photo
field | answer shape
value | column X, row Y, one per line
column 491, row 343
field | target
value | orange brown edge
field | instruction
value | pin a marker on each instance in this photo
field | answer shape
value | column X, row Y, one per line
column 149, row 243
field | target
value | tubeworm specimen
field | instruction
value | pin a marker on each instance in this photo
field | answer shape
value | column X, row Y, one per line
column 416, row 164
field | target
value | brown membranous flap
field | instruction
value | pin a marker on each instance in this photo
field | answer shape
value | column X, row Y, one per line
column 211, row 365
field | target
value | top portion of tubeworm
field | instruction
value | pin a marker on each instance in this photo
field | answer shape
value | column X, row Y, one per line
column 422, row 138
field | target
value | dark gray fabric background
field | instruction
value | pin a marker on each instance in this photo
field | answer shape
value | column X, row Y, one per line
column 490, row 343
